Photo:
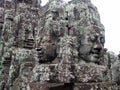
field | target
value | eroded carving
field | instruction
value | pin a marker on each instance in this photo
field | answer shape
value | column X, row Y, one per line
column 57, row 43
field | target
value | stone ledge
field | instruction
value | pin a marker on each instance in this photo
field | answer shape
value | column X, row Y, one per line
column 70, row 73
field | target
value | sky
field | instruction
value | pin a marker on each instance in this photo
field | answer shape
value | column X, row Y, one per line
column 110, row 18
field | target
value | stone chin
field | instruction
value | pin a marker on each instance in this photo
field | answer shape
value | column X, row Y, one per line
column 94, row 58
column 91, row 58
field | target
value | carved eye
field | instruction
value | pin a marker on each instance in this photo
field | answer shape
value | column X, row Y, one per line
column 102, row 39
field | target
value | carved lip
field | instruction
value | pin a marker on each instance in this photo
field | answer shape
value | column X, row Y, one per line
column 95, row 53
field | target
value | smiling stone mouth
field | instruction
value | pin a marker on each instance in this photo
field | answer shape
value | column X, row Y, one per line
column 96, row 54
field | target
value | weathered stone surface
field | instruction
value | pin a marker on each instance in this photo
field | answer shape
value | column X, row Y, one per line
column 95, row 86
column 90, row 73
column 71, row 86
column 62, row 73
column 56, row 46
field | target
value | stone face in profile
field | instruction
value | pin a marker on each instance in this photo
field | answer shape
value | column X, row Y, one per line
column 46, row 50
column 92, row 44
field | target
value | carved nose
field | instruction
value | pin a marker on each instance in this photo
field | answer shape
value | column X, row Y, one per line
column 98, row 44
column 98, row 47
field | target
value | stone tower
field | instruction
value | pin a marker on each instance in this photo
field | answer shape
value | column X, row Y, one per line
column 56, row 46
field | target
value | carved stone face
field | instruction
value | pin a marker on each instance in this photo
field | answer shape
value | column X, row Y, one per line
column 47, row 50
column 92, row 43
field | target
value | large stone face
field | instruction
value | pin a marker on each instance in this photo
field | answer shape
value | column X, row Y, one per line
column 57, row 46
